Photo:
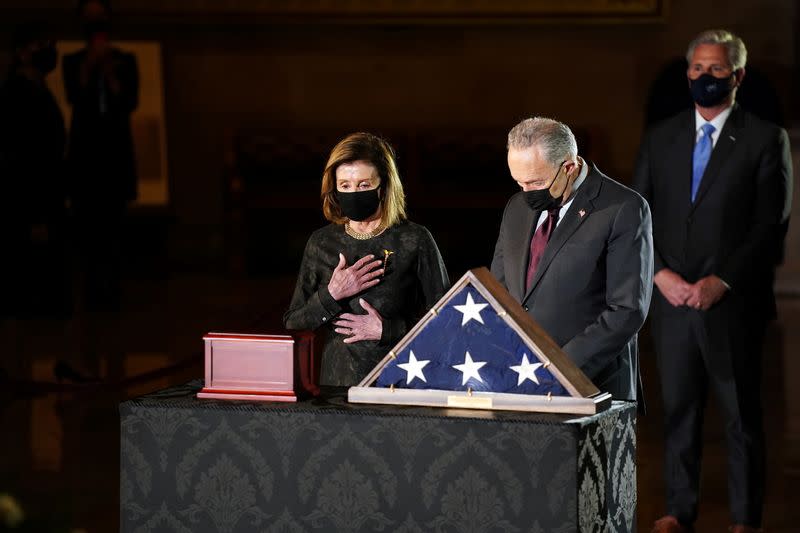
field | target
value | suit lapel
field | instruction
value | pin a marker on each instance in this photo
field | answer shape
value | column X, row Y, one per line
column 680, row 155
column 677, row 169
column 721, row 152
column 579, row 211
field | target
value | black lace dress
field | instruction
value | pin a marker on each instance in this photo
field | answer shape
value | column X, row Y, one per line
column 414, row 280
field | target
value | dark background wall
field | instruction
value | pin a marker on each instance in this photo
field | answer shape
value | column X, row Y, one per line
column 444, row 93
column 253, row 105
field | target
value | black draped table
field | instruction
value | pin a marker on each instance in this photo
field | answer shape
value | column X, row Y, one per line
column 189, row 465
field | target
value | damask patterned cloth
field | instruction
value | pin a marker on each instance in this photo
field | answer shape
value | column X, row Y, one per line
column 189, row 465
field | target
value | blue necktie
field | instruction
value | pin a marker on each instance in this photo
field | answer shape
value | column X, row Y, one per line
column 702, row 153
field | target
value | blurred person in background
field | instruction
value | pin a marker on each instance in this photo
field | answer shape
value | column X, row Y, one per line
column 102, row 86
column 35, row 279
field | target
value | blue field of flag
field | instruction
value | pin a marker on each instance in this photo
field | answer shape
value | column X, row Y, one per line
column 468, row 345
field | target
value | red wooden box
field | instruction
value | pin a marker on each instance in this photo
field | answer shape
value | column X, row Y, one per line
column 243, row 366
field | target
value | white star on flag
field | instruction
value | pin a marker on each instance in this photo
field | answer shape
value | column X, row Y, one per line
column 469, row 369
column 414, row 368
column 526, row 370
column 470, row 310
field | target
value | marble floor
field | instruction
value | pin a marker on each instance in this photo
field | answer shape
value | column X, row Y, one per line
column 60, row 445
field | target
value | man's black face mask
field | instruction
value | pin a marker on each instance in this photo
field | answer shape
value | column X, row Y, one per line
column 95, row 26
column 541, row 199
column 708, row 91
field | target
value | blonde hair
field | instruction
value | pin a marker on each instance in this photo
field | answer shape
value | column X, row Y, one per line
column 378, row 153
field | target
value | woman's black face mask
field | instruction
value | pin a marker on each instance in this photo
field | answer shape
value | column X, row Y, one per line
column 359, row 205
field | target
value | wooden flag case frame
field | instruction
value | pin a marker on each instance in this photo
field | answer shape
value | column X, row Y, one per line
column 584, row 397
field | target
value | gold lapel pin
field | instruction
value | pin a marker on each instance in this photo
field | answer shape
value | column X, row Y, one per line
column 386, row 254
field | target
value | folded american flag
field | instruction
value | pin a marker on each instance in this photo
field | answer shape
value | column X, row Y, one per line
column 467, row 345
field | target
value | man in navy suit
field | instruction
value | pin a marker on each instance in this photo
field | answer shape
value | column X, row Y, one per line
column 575, row 249
column 718, row 180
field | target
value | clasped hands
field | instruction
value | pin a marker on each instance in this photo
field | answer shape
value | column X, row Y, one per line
column 349, row 281
column 701, row 295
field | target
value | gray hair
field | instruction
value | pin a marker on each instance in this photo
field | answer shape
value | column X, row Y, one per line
column 737, row 53
column 554, row 138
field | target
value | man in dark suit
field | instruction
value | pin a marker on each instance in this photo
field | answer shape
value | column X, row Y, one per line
column 102, row 85
column 575, row 248
column 718, row 180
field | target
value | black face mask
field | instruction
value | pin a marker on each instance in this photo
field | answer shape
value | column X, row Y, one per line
column 93, row 27
column 359, row 205
column 541, row 199
column 708, row 91
column 45, row 59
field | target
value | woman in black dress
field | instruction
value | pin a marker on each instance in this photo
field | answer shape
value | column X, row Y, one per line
column 367, row 277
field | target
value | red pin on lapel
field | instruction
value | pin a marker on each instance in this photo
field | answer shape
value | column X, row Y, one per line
column 581, row 213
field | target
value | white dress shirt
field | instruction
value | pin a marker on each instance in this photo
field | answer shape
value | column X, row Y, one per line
column 718, row 122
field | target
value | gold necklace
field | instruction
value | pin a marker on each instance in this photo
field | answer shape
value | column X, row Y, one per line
column 364, row 236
